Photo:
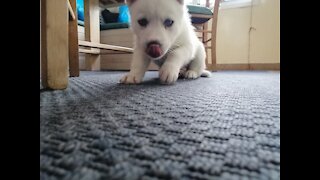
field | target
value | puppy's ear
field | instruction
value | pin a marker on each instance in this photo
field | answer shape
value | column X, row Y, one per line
column 130, row 2
column 181, row 1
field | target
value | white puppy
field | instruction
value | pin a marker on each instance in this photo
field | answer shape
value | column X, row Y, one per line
column 164, row 34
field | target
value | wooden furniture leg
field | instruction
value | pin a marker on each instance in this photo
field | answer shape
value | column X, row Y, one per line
column 204, row 39
column 214, row 34
column 92, row 32
column 54, row 44
column 73, row 41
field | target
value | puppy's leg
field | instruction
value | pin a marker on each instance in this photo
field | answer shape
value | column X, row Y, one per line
column 138, row 68
column 169, row 71
column 197, row 65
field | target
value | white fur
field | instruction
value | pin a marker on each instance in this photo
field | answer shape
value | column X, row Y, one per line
column 180, row 45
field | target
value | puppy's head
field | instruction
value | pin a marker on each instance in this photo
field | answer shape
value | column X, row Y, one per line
column 156, row 23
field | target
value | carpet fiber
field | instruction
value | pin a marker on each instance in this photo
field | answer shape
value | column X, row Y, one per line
column 224, row 127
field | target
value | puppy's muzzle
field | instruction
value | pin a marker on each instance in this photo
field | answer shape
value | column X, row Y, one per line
column 154, row 49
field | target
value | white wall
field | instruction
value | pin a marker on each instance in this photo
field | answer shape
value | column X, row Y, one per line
column 233, row 36
column 265, row 39
column 235, row 45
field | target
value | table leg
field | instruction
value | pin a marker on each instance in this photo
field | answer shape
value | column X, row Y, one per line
column 54, row 44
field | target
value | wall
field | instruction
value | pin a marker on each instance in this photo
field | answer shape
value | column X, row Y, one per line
column 235, row 45
column 233, row 35
column 265, row 39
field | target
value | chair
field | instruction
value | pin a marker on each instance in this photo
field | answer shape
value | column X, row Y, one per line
column 200, row 17
column 60, row 44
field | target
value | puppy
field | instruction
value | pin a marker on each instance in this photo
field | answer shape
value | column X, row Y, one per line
column 164, row 34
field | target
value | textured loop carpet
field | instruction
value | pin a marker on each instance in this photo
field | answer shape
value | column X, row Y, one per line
column 224, row 127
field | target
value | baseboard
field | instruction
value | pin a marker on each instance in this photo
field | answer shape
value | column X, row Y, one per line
column 262, row 66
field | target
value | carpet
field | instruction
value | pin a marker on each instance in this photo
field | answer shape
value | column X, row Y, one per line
column 223, row 127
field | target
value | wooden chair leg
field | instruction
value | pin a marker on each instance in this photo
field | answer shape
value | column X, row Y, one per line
column 204, row 39
column 54, row 44
column 92, row 32
column 214, row 34
column 73, row 42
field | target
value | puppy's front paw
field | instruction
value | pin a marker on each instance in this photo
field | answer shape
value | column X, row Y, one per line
column 131, row 79
column 190, row 74
column 168, row 76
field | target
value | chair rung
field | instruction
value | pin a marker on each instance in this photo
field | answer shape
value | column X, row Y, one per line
column 71, row 10
column 89, row 51
column 105, row 46
column 204, row 31
column 207, row 40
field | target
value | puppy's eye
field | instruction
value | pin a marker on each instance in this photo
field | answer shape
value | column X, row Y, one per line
column 143, row 22
column 168, row 23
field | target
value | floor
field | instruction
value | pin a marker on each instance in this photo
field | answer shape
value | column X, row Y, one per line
column 223, row 127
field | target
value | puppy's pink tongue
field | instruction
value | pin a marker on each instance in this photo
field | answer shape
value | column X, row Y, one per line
column 154, row 50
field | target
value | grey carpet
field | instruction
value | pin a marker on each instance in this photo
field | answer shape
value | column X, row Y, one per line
column 224, row 127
